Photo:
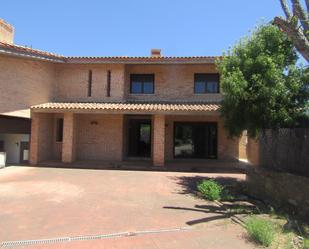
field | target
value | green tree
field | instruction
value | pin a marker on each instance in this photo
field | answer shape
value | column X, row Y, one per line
column 261, row 85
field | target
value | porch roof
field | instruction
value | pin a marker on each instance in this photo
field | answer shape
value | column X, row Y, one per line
column 123, row 107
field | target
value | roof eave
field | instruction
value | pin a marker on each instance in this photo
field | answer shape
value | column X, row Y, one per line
column 134, row 112
column 30, row 56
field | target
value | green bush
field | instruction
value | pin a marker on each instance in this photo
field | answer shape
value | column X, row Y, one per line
column 260, row 230
column 210, row 189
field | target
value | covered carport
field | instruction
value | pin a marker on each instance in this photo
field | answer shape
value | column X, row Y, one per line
column 14, row 139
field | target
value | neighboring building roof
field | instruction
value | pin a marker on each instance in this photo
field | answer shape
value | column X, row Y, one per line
column 15, row 50
column 22, row 51
column 149, row 107
column 24, row 113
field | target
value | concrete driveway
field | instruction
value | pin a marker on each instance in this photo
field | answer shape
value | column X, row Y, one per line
column 44, row 203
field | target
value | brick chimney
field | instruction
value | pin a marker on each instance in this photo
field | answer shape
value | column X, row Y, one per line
column 6, row 32
column 155, row 52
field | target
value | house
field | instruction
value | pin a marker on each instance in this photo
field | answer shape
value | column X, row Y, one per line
column 152, row 108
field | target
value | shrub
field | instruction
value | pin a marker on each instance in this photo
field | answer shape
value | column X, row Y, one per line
column 260, row 230
column 210, row 189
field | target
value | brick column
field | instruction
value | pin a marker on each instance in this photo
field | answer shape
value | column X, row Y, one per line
column 41, row 137
column 34, row 140
column 158, row 140
column 68, row 144
column 253, row 151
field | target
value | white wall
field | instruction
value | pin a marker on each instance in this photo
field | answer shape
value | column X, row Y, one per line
column 12, row 145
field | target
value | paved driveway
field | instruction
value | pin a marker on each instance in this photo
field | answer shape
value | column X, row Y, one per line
column 40, row 203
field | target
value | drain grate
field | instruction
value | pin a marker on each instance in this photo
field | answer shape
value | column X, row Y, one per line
column 88, row 237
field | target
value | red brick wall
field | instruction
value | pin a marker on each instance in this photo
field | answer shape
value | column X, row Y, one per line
column 99, row 137
column 72, row 82
column 24, row 83
column 41, row 146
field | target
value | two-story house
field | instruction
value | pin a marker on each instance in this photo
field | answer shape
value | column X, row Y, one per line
column 156, row 108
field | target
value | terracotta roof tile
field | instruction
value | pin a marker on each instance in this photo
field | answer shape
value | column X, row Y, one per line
column 195, row 107
column 10, row 49
column 144, row 59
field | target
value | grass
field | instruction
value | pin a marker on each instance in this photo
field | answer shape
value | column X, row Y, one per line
column 306, row 244
column 260, row 230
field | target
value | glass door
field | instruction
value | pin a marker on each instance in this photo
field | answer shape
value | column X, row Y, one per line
column 139, row 138
column 195, row 140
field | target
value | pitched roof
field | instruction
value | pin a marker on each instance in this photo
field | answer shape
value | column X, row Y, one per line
column 16, row 50
column 22, row 113
column 139, row 107
column 145, row 59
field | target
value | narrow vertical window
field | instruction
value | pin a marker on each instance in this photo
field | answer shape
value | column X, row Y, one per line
column 59, row 130
column 89, row 83
column 108, row 88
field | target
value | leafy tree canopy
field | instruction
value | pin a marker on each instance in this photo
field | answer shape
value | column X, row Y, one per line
column 261, row 85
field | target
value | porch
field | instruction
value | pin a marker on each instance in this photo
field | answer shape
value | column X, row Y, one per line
column 202, row 166
column 187, row 139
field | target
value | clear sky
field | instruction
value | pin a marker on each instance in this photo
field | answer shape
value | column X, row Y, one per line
column 133, row 27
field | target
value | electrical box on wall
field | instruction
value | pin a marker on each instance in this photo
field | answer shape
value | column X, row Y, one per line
column 2, row 159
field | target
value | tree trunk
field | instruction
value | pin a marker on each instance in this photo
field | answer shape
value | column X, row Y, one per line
column 296, row 35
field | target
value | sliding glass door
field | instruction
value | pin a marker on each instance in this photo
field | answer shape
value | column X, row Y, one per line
column 195, row 140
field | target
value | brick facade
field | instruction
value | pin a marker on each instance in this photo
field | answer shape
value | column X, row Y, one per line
column 41, row 146
column 38, row 77
column 99, row 137
column 25, row 82
column 159, row 140
column 72, row 83
column 172, row 82
column 103, row 137
column 69, row 137
column 105, row 141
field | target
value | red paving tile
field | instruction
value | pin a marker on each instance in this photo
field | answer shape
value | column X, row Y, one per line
column 39, row 203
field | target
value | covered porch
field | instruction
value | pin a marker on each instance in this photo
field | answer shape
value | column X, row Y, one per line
column 121, row 134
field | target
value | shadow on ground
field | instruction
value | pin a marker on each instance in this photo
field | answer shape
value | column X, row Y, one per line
column 214, row 212
column 238, row 205
column 188, row 184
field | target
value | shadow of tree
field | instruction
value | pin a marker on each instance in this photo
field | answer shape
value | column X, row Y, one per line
column 216, row 212
column 188, row 184
column 239, row 205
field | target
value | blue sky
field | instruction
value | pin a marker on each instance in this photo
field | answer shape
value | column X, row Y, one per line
column 133, row 27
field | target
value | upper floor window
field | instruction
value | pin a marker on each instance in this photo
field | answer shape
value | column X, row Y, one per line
column 142, row 83
column 206, row 83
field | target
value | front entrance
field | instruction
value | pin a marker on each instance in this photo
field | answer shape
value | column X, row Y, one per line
column 195, row 140
column 139, row 144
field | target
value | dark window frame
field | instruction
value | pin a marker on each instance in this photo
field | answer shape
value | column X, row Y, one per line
column 206, row 74
column 146, row 75
column 59, row 130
